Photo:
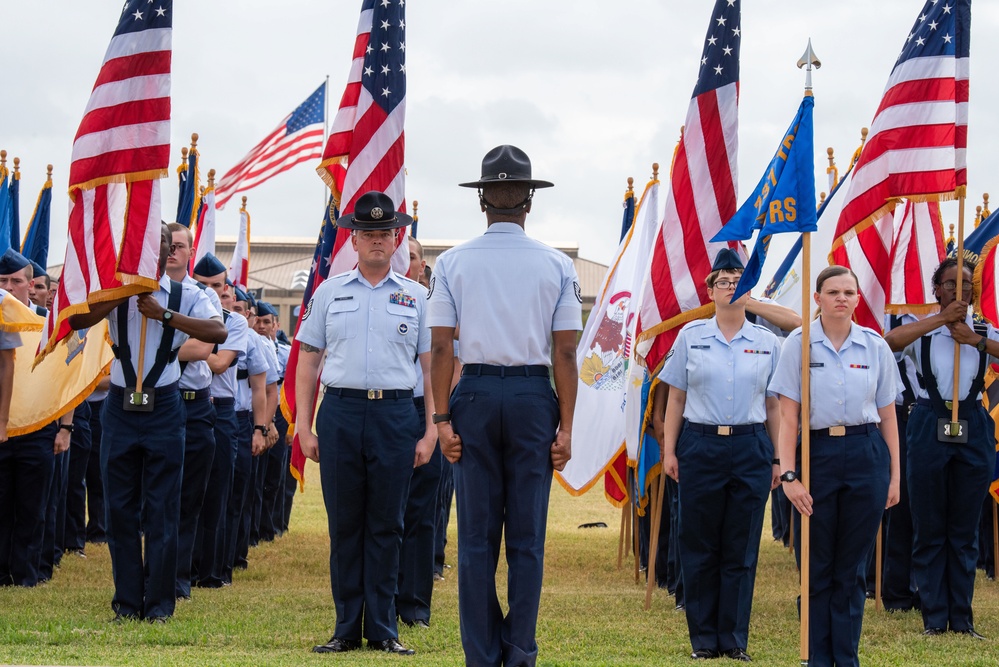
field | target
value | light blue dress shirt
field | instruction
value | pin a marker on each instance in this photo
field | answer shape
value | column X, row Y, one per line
column 197, row 374
column 266, row 346
column 726, row 382
column 847, row 387
column 282, row 351
column 224, row 384
column 507, row 292
column 193, row 303
column 942, row 361
column 371, row 333
column 255, row 362
column 8, row 340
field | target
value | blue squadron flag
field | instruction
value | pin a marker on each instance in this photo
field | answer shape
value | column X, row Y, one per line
column 188, row 181
column 5, row 205
column 15, row 206
column 36, row 237
column 783, row 201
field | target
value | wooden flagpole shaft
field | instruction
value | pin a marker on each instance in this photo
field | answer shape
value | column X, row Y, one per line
column 995, row 539
column 878, row 555
column 620, row 540
column 659, row 488
column 142, row 355
column 806, row 467
column 634, row 539
column 958, row 294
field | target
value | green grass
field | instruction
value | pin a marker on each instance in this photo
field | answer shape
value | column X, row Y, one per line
column 591, row 612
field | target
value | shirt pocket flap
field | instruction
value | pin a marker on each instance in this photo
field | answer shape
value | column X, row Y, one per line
column 399, row 309
column 344, row 306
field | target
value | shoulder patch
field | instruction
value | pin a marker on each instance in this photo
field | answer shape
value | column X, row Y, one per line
column 579, row 292
column 308, row 310
column 433, row 283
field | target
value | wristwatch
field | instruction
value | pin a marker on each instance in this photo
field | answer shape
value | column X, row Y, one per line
column 167, row 316
column 443, row 417
column 980, row 346
column 260, row 427
column 788, row 476
column 68, row 427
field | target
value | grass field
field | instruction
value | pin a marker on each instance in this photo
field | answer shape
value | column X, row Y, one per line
column 591, row 612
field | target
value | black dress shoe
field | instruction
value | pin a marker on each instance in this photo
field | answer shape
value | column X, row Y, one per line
column 337, row 645
column 703, row 654
column 391, row 645
column 933, row 632
column 738, row 654
column 970, row 632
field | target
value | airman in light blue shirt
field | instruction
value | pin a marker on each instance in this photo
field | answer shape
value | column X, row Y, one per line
column 722, row 379
column 848, row 386
column 371, row 333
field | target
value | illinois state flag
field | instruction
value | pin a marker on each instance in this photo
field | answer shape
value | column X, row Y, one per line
column 603, row 355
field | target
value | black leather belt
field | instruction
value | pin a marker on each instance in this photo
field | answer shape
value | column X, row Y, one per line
column 196, row 394
column 223, row 402
column 714, row 429
column 840, row 431
column 505, row 371
column 370, row 394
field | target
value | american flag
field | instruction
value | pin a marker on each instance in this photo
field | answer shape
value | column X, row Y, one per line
column 298, row 138
column 120, row 152
column 366, row 147
column 702, row 193
column 917, row 147
column 239, row 265
column 321, row 262
column 917, row 250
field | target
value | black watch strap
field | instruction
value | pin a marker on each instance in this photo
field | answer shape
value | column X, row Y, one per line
column 442, row 417
column 789, row 476
column 261, row 428
column 68, row 427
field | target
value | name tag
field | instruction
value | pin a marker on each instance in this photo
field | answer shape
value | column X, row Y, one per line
column 342, row 298
column 816, row 364
column 862, row 367
column 756, row 351
column 403, row 299
column 700, row 347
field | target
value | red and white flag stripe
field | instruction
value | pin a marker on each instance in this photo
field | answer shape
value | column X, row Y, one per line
column 917, row 250
column 239, row 266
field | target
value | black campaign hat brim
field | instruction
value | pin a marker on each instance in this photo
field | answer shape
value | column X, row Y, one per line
column 532, row 182
column 348, row 222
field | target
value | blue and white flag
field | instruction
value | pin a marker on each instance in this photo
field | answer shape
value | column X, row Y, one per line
column 783, row 201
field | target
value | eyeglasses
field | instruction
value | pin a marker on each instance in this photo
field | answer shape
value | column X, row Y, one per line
column 951, row 285
column 725, row 284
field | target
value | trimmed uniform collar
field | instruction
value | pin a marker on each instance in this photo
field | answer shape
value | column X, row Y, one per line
column 165, row 282
column 711, row 329
column 945, row 330
column 355, row 274
column 505, row 228
column 818, row 335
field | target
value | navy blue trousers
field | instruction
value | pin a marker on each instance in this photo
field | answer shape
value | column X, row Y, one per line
column 724, row 484
column 445, row 494
column 209, row 543
column 416, row 560
column 366, row 451
column 96, row 509
column 898, row 586
column 27, row 465
column 281, row 453
column 75, row 531
column 199, row 452
column 948, row 483
column 849, row 476
column 290, row 488
column 273, row 465
column 502, row 484
column 142, row 460
column 238, row 514
column 55, row 517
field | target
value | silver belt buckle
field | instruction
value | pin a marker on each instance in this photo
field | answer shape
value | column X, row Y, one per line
column 837, row 431
column 724, row 430
column 374, row 394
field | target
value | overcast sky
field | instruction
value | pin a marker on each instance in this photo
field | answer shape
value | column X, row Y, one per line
column 595, row 92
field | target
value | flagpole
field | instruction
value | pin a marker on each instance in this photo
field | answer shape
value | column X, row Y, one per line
column 954, row 425
column 807, row 61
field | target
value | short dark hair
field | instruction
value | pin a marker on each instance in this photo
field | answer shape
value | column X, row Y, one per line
column 506, row 195
column 713, row 276
column 832, row 272
column 948, row 263
column 177, row 227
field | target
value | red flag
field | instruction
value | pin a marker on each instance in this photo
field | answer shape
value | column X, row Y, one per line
column 701, row 197
column 120, row 151
column 239, row 266
column 366, row 147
